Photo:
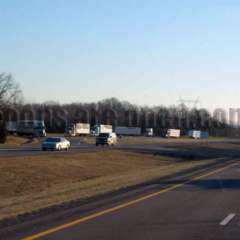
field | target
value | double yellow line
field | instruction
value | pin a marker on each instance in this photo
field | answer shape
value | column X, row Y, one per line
column 120, row 206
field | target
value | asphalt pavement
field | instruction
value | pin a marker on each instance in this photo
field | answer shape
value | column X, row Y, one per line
column 77, row 145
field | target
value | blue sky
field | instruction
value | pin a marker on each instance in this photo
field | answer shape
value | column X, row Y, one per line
column 147, row 52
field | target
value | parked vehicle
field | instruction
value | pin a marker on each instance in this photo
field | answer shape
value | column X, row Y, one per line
column 98, row 129
column 109, row 139
column 128, row 131
column 149, row 132
column 204, row 134
column 11, row 127
column 31, row 127
column 194, row 134
column 197, row 134
column 78, row 129
column 56, row 143
column 173, row 133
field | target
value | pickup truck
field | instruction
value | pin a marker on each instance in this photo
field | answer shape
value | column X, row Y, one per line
column 109, row 139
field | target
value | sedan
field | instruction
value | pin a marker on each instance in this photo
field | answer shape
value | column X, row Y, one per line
column 56, row 143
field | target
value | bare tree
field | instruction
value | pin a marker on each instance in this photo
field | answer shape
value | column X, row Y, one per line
column 10, row 92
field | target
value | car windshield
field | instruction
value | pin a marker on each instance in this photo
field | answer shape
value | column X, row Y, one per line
column 53, row 140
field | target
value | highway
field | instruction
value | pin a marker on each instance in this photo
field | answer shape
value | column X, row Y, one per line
column 77, row 145
column 200, row 205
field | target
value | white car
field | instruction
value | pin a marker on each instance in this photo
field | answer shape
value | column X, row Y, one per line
column 56, row 143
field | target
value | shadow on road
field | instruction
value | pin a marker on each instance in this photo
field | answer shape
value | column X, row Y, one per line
column 209, row 184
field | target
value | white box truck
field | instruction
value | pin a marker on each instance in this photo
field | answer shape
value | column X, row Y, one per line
column 128, row 131
column 198, row 134
column 173, row 133
column 194, row 134
column 204, row 134
column 77, row 129
column 98, row 129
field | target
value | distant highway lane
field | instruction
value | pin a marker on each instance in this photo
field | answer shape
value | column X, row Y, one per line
column 78, row 146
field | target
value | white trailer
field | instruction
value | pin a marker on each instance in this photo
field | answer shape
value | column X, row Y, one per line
column 128, row 131
column 102, row 129
column 106, row 128
column 173, row 133
column 77, row 129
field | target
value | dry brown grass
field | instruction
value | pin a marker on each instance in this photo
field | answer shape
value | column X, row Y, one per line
column 154, row 140
column 33, row 182
column 30, row 174
column 138, row 140
column 13, row 141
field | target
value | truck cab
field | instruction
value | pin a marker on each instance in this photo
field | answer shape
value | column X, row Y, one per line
column 40, row 131
column 109, row 139
column 70, row 130
column 149, row 132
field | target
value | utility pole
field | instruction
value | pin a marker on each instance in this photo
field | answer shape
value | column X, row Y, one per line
column 189, row 103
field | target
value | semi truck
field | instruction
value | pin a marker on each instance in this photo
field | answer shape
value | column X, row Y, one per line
column 173, row 133
column 34, row 128
column 101, row 128
column 11, row 127
column 128, row 131
column 78, row 129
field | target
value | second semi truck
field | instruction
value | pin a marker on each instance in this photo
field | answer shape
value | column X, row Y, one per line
column 128, row 131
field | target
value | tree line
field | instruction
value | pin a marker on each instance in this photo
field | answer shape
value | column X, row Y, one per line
column 108, row 111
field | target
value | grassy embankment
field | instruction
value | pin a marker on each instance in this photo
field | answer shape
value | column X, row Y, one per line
column 29, row 183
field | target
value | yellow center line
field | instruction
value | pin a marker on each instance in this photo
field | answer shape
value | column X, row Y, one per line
column 121, row 206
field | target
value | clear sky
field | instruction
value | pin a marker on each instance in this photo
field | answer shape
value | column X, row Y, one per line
column 147, row 52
